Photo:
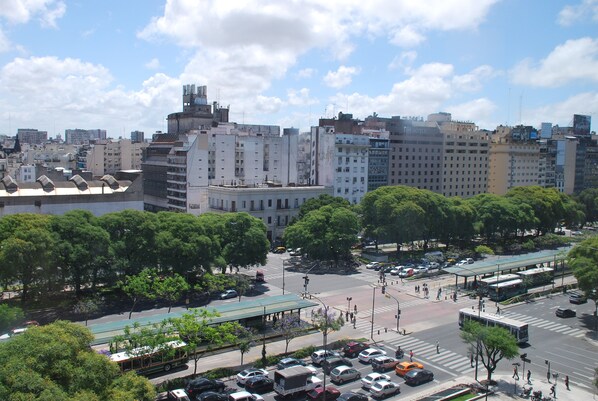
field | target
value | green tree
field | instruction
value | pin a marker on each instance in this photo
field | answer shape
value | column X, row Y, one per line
column 244, row 340
column 491, row 344
column 589, row 199
column 10, row 316
column 201, row 335
column 327, row 321
column 171, row 288
column 244, row 242
column 140, row 286
column 288, row 327
column 316, row 203
column 484, row 250
column 583, row 258
column 546, row 203
column 56, row 362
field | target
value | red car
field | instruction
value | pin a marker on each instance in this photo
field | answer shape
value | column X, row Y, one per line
column 317, row 394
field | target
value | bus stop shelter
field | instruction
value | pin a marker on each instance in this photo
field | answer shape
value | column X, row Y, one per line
column 508, row 264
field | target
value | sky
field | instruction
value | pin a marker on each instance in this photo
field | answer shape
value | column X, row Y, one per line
column 120, row 65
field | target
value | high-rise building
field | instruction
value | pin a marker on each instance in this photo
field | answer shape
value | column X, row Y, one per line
column 32, row 136
column 83, row 136
column 108, row 157
column 137, row 136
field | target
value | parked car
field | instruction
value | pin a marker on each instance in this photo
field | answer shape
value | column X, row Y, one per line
column 469, row 261
column 353, row 348
column 344, row 374
column 406, row 272
column 259, row 384
column 367, row 355
column 372, row 378
column 246, row 374
column 565, row 312
column 372, row 265
column 331, row 363
column 418, row 376
column 384, row 363
column 229, row 294
column 404, row 367
column 395, row 270
column 279, row 249
column 202, row 384
column 352, row 396
column 295, row 252
column 384, row 388
column 577, row 298
column 177, row 395
column 288, row 362
column 317, row 394
column 212, row 396
column 318, row 356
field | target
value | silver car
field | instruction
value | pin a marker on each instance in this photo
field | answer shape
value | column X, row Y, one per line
column 343, row 374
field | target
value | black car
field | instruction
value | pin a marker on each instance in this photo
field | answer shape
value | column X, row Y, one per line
column 211, row 396
column 331, row 363
column 203, row 384
column 418, row 376
column 351, row 396
column 288, row 362
column 577, row 298
column 259, row 384
column 565, row 312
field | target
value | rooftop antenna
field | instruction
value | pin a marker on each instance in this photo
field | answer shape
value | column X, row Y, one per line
column 508, row 107
column 520, row 106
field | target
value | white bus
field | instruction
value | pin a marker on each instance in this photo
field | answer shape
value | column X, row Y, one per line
column 506, row 289
column 537, row 276
column 146, row 360
column 515, row 327
column 485, row 282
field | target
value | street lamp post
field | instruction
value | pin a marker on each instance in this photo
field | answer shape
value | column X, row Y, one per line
column 324, row 340
column 373, row 304
column 387, row 295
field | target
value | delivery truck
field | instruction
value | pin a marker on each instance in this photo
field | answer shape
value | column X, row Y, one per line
column 295, row 380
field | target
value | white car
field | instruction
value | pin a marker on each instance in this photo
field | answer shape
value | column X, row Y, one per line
column 384, row 388
column 367, row 355
column 372, row 265
column 372, row 378
column 245, row 396
column 318, row 356
column 248, row 373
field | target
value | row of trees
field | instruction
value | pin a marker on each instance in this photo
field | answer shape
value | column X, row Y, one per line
column 326, row 227
column 77, row 249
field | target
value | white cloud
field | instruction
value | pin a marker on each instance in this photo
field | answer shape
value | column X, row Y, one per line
column 22, row 11
column 479, row 111
column 300, row 97
column 407, row 36
column 4, row 42
column 561, row 113
column 570, row 15
column 472, row 81
column 404, row 60
column 341, row 77
column 306, row 73
column 153, row 64
column 576, row 59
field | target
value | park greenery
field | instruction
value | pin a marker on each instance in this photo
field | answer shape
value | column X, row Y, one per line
column 490, row 344
column 583, row 258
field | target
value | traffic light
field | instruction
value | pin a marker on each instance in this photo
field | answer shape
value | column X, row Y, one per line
column 523, row 356
column 306, row 278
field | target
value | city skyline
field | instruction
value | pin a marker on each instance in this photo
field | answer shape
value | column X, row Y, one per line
column 121, row 66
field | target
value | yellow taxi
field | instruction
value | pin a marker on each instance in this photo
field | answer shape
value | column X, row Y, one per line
column 404, row 367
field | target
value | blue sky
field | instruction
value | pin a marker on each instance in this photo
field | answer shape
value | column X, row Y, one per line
column 120, row 65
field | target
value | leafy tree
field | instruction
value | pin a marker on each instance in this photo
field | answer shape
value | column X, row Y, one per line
column 87, row 306
column 214, row 283
column 171, row 288
column 244, row 340
column 484, row 250
column 136, row 339
column 244, row 241
column 10, row 316
column 589, row 199
column 501, row 216
column 491, row 344
column 140, row 286
column 546, row 203
column 242, row 283
column 316, row 203
column 583, row 258
column 56, row 362
column 288, row 327
column 201, row 335
column 327, row 321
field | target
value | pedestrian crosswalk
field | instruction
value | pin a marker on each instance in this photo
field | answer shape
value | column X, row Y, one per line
column 437, row 358
column 546, row 324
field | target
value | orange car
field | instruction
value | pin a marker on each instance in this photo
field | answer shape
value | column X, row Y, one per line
column 404, row 367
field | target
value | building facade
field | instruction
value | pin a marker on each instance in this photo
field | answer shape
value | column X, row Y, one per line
column 32, row 136
column 83, row 136
column 108, row 157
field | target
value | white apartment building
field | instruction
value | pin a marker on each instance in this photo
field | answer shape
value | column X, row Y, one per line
column 52, row 155
column 108, row 157
column 340, row 161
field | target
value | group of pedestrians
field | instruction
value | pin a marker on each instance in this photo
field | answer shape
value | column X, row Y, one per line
column 529, row 379
column 425, row 289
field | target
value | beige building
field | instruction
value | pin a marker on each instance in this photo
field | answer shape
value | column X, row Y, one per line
column 108, row 157
column 512, row 162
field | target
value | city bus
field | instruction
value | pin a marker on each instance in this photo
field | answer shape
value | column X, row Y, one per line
column 485, row 282
column 515, row 327
column 147, row 360
column 506, row 289
column 536, row 276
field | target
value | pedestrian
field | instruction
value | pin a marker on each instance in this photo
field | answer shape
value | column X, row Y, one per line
column 553, row 390
column 529, row 377
column 471, row 360
column 515, row 373
column 411, row 356
column 347, row 316
column 497, row 310
column 351, row 315
column 566, row 382
column 548, row 376
column 437, row 347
